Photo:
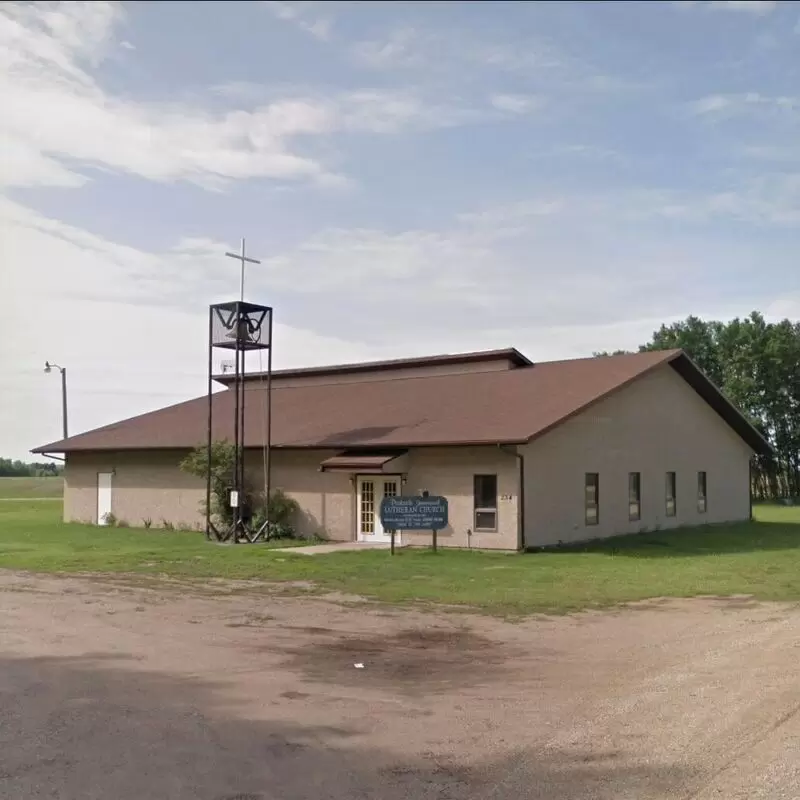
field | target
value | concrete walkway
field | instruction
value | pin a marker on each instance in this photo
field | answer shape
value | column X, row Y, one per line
column 336, row 547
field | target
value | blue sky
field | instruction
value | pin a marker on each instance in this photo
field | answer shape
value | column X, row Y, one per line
column 416, row 178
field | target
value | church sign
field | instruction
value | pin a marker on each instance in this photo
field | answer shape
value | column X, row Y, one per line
column 413, row 513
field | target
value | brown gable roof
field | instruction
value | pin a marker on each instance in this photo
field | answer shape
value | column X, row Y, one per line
column 504, row 407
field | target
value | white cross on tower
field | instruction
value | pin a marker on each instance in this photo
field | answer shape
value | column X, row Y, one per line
column 243, row 258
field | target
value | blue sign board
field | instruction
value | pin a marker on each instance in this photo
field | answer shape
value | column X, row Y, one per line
column 414, row 513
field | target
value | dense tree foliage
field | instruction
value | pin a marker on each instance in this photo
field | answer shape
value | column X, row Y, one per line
column 20, row 469
column 757, row 365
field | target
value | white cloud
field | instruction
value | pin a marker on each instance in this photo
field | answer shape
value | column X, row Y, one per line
column 404, row 47
column 744, row 102
column 301, row 14
column 24, row 165
column 432, row 50
column 765, row 200
column 500, row 218
column 45, row 79
column 710, row 104
column 514, row 103
column 379, row 111
column 462, row 57
column 46, row 51
column 583, row 151
column 757, row 7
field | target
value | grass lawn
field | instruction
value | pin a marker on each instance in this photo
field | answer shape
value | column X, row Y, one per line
column 760, row 558
column 32, row 487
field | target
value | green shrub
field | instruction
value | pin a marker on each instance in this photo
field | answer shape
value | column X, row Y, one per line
column 283, row 511
column 123, row 523
column 167, row 525
column 109, row 519
column 147, row 522
column 282, row 508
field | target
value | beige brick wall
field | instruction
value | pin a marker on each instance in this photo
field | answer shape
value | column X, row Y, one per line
column 327, row 499
column 656, row 424
column 144, row 485
column 449, row 471
column 150, row 484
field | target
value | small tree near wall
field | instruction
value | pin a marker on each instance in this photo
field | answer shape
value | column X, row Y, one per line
column 282, row 508
column 222, row 464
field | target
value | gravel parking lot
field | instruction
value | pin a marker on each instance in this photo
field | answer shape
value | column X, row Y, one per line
column 111, row 690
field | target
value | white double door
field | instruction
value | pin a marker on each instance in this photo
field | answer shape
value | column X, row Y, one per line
column 371, row 490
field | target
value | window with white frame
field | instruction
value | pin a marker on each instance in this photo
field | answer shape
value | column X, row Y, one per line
column 592, row 497
column 702, row 497
column 634, row 496
column 671, row 499
column 485, row 502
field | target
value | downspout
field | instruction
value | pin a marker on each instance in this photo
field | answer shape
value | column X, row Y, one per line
column 520, row 495
column 750, row 487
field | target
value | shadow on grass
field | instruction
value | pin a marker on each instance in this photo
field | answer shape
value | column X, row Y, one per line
column 745, row 537
column 90, row 728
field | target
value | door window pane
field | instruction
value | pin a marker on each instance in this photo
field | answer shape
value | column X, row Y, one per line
column 367, row 507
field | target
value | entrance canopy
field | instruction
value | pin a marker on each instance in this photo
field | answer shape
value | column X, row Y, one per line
column 366, row 462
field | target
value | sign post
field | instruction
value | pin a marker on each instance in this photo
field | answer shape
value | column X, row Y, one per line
column 412, row 513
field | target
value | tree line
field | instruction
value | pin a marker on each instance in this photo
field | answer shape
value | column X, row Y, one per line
column 22, row 469
column 757, row 365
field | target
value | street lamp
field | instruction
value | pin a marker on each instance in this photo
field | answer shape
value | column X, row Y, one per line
column 48, row 367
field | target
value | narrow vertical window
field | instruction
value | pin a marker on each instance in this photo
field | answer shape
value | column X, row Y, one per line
column 592, row 498
column 485, row 502
column 634, row 496
column 702, row 497
column 671, row 499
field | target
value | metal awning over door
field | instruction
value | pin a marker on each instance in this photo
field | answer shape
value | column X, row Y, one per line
column 365, row 462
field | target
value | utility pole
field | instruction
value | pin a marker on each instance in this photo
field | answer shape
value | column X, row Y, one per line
column 48, row 367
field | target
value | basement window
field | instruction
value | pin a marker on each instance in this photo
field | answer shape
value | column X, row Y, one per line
column 702, row 501
column 485, row 502
column 592, row 497
column 671, row 498
column 634, row 496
